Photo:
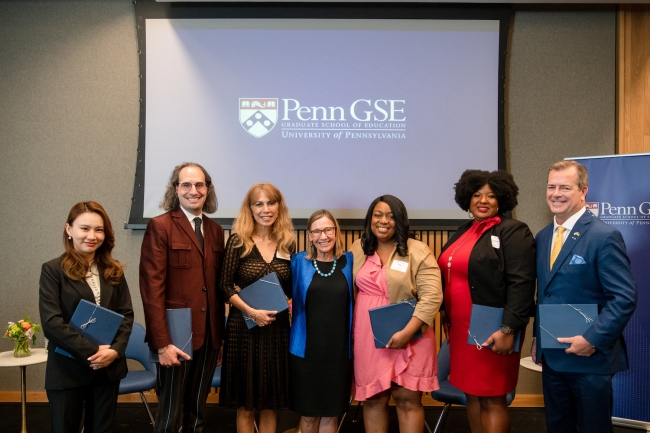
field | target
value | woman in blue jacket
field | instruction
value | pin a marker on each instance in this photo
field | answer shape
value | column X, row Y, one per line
column 320, row 361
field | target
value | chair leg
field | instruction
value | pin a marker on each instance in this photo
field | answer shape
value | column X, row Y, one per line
column 426, row 425
column 443, row 418
column 343, row 417
column 146, row 406
column 356, row 412
column 341, row 423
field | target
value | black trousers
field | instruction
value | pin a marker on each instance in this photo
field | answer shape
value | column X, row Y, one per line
column 99, row 400
column 577, row 402
column 182, row 391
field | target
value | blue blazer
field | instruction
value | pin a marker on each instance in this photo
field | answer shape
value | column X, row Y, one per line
column 592, row 268
column 302, row 272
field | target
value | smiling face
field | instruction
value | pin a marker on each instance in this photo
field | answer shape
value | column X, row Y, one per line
column 483, row 204
column 563, row 195
column 383, row 223
column 87, row 233
column 191, row 200
column 325, row 239
column 264, row 210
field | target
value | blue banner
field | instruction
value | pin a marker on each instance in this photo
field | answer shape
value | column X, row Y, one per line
column 619, row 194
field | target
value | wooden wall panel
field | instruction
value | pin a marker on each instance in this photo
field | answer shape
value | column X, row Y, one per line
column 633, row 79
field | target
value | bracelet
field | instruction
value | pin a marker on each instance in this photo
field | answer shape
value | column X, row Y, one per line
column 255, row 316
column 163, row 351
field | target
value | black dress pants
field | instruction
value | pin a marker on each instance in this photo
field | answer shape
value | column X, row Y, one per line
column 183, row 390
column 98, row 400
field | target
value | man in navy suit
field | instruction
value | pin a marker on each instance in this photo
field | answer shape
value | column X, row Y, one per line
column 581, row 260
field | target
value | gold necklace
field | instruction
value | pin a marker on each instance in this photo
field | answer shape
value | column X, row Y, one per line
column 261, row 239
column 459, row 243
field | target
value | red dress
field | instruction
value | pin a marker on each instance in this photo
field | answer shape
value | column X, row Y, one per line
column 477, row 372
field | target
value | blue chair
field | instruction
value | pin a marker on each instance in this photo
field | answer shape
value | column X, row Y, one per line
column 448, row 393
column 139, row 380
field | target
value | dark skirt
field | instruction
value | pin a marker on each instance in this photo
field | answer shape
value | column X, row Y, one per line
column 255, row 364
column 321, row 382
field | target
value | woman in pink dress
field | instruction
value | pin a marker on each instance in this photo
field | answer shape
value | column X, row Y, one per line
column 489, row 261
column 389, row 268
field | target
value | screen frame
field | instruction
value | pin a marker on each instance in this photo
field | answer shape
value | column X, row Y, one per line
column 417, row 11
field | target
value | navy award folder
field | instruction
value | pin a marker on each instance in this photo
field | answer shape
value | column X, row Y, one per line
column 95, row 323
column 484, row 322
column 389, row 319
column 564, row 320
column 179, row 325
column 264, row 294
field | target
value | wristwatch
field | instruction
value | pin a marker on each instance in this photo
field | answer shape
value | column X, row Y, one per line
column 507, row 330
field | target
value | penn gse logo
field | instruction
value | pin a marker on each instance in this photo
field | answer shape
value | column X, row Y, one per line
column 593, row 206
column 258, row 116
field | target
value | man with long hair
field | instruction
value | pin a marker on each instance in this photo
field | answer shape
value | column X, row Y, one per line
column 182, row 252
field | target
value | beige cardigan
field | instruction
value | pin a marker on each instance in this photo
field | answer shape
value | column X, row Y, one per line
column 421, row 279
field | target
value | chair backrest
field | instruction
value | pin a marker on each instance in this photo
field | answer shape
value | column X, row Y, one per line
column 444, row 369
column 137, row 348
column 443, row 361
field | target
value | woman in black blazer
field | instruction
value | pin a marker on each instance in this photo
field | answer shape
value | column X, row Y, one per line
column 489, row 261
column 87, row 271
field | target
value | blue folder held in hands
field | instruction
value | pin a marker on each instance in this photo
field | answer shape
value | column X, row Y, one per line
column 564, row 320
column 484, row 322
column 96, row 323
column 179, row 325
column 389, row 319
column 264, row 294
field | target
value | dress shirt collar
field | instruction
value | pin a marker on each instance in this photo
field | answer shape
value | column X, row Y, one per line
column 570, row 222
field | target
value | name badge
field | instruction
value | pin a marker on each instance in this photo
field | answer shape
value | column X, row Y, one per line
column 282, row 256
column 399, row 265
column 496, row 243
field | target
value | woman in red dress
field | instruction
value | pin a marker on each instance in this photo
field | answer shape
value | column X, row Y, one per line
column 489, row 261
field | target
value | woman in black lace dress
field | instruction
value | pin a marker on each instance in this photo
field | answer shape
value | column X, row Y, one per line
column 255, row 361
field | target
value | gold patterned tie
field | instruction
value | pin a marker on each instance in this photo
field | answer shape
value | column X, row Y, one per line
column 557, row 246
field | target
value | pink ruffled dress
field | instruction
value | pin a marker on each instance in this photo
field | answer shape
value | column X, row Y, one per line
column 413, row 367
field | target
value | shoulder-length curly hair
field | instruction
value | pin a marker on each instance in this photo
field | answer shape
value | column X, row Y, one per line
column 282, row 231
column 338, row 245
column 170, row 200
column 74, row 265
column 400, row 216
column 500, row 182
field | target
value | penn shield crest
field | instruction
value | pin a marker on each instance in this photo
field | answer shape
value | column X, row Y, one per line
column 593, row 206
column 258, row 116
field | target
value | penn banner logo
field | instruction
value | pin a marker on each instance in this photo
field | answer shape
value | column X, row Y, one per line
column 258, row 116
column 593, row 206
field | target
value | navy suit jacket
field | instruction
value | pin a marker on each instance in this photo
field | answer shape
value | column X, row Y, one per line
column 604, row 277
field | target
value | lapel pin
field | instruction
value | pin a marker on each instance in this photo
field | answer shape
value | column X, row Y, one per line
column 576, row 234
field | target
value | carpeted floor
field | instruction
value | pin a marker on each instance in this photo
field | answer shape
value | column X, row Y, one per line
column 132, row 418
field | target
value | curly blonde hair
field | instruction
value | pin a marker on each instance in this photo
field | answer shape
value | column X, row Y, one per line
column 244, row 225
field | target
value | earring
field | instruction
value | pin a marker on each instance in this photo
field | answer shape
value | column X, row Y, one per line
column 69, row 238
column 311, row 244
column 469, row 214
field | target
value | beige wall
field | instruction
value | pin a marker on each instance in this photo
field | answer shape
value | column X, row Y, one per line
column 69, row 127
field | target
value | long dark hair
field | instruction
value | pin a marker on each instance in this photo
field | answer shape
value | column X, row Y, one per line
column 400, row 216
column 74, row 265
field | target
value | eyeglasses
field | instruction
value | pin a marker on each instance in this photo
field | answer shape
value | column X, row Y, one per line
column 327, row 230
column 187, row 186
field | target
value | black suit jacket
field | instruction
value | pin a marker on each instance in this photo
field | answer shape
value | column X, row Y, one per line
column 58, row 299
column 502, row 277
